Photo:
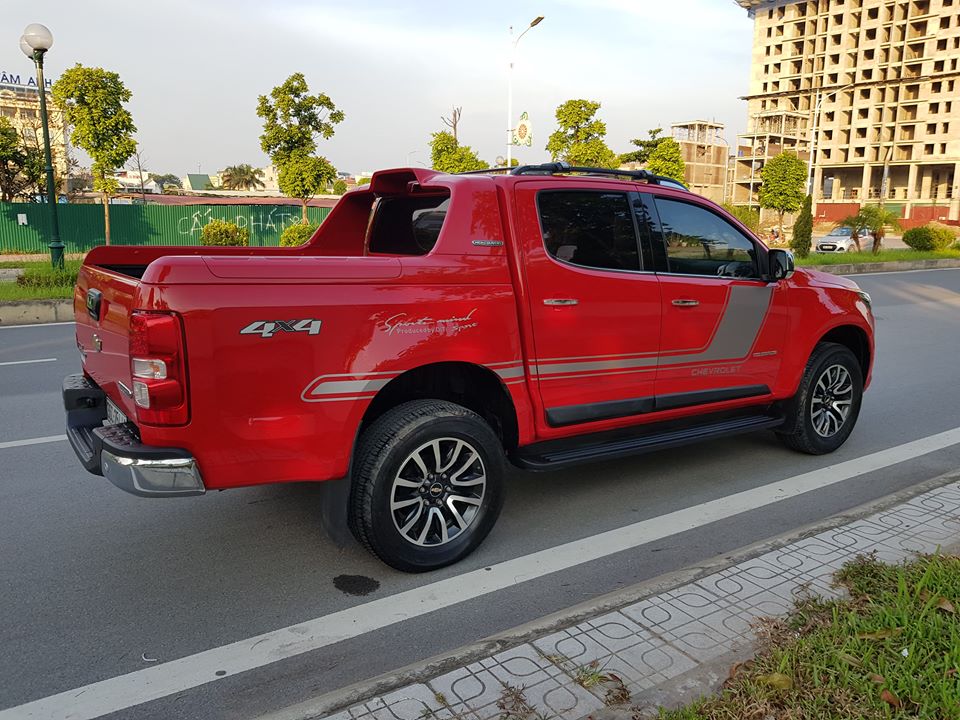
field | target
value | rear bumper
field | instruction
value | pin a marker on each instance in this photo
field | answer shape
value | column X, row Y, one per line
column 116, row 452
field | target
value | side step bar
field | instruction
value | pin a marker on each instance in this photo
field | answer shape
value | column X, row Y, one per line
column 552, row 455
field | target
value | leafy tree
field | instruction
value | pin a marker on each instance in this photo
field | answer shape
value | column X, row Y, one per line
column 302, row 176
column 667, row 160
column 803, row 229
column 92, row 101
column 13, row 159
column 339, row 187
column 363, row 181
column 292, row 121
column 876, row 219
column 579, row 139
column 294, row 235
column 447, row 155
column 747, row 215
column 857, row 228
column 242, row 177
column 645, row 147
column 165, row 181
column 224, row 233
column 783, row 178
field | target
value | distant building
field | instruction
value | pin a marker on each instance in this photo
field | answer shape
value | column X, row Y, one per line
column 197, row 181
column 20, row 104
column 871, row 88
column 132, row 181
column 705, row 155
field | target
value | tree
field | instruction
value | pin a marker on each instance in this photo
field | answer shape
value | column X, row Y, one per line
column 165, row 181
column 876, row 219
column 242, row 177
column 292, row 120
column 667, row 160
column 803, row 229
column 645, row 147
column 579, row 139
column 13, row 160
column 452, row 121
column 92, row 101
column 447, row 155
column 302, row 176
column 783, row 178
column 339, row 187
column 855, row 223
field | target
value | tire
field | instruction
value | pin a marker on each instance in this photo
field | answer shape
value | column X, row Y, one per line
column 832, row 376
column 444, row 509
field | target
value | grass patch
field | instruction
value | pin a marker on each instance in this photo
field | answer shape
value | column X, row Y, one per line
column 891, row 651
column 40, row 281
column 10, row 292
column 882, row 256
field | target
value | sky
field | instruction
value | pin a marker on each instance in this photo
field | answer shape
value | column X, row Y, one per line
column 196, row 67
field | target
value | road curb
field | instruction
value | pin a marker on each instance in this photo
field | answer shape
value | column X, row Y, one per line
column 31, row 312
column 402, row 681
column 876, row 267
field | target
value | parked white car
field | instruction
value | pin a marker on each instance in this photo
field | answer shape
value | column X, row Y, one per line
column 839, row 240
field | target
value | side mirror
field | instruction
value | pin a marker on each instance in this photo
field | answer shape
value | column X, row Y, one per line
column 781, row 264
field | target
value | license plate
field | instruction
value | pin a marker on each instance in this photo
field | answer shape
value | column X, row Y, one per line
column 115, row 415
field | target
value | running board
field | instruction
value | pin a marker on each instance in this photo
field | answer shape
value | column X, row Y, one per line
column 555, row 454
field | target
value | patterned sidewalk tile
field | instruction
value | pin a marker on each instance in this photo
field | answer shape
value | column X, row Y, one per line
column 655, row 640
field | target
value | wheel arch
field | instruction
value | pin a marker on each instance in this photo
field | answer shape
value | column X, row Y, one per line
column 855, row 339
column 473, row 386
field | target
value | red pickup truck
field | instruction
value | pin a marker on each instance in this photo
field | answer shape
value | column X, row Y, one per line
column 436, row 327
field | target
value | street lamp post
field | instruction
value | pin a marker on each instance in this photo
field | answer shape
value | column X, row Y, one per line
column 35, row 42
column 513, row 47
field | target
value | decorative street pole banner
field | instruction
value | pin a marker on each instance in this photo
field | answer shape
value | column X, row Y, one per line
column 523, row 133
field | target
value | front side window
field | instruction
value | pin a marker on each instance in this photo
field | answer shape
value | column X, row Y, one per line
column 592, row 229
column 699, row 242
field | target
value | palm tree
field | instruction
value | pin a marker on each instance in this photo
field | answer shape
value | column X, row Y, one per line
column 876, row 219
column 857, row 228
column 242, row 177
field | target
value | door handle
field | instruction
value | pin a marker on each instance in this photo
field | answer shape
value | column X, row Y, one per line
column 686, row 303
column 561, row 301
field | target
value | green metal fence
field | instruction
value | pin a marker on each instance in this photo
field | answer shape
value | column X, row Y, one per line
column 25, row 227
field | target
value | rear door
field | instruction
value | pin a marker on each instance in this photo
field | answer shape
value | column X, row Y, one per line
column 721, row 333
column 594, row 302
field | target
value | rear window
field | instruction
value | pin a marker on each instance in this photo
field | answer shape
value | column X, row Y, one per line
column 407, row 224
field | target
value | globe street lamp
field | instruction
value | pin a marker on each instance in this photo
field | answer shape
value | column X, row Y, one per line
column 35, row 42
column 513, row 48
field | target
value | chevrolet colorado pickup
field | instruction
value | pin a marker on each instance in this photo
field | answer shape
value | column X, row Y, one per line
column 436, row 327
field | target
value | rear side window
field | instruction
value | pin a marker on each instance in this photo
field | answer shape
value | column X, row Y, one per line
column 407, row 224
column 701, row 243
column 593, row 229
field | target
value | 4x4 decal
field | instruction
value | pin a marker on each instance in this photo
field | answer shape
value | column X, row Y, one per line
column 268, row 328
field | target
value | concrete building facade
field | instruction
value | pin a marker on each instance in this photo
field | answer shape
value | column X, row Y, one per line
column 867, row 92
column 705, row 155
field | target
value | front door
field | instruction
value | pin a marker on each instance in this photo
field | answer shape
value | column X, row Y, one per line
column 594, row 305
column 720, row 336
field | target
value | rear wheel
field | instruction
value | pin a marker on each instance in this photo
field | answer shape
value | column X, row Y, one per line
column 427, row 485
column 821, row 416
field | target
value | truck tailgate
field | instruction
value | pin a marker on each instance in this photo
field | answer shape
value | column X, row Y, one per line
column 102, row 303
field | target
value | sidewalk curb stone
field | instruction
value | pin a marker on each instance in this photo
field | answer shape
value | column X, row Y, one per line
column 28, row 312
column 666, row 638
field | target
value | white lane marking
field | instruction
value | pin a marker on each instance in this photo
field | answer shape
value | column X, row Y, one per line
column 140, row 686
column 15, row 327
column 27, row 362
column 32, row 441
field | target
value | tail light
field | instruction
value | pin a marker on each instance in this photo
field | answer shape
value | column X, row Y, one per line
column 158, row 369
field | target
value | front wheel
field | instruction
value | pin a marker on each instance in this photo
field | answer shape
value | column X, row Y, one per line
column 821, row 416
column 427, row 485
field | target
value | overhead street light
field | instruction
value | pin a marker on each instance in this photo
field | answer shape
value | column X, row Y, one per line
column 35, row 42
column 513, row 48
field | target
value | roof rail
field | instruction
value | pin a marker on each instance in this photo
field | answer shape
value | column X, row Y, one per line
column 559, row 168
column 485, row 171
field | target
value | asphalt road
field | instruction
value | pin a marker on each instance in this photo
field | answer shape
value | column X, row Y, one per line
column 95, row 583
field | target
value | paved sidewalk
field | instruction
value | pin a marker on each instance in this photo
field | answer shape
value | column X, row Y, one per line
column 678, row 643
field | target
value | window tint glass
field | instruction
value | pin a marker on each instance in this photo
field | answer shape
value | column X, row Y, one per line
column 589, row 228
column 407, row 225
column 701, row 243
